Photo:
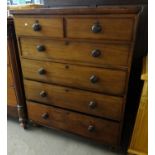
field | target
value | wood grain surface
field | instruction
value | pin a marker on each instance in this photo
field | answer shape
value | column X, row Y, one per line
column 49, row 27
column 103, row 131
column 104, row 106
column 109, row 81
column 113, row 28
column 75, row 51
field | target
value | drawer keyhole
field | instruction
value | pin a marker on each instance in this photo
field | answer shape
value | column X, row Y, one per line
column 67, row 66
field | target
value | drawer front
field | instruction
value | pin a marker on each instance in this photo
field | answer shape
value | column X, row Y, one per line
column 101, row 54
column 37, row 26
column 90, row 127
column 89, row 78
column 107, row 28
column 74, row 99
column 11, row 96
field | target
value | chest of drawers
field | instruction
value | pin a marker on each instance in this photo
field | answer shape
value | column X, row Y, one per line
column 76, row 65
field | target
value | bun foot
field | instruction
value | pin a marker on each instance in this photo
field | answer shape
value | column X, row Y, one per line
column 23, row 125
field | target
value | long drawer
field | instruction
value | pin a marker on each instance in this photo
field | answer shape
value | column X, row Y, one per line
column 74, row 99
column 101, row 27
column 39, row 26
column 89, row 78
column 92, row 53
column 94, row 128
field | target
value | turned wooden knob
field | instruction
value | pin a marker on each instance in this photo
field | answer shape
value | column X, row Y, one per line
column 96, row 28
column 40, row 48
column 41, row 71
column 45, row 115
column 92, row 104
column 94, row 79
column 96, row 53
column 43, row 94
column 36, row 27
column 91, row 128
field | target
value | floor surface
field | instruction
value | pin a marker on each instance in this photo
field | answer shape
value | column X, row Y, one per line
column 44, row 141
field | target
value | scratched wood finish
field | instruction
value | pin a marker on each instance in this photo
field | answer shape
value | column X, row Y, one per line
column 49, row 26
column 111, row 54
column 113, row 28
column 78, row 100
column 109, row 81
column 104, row 131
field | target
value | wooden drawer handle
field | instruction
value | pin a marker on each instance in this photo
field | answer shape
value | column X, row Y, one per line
column 36, row 27
column 92, row 104
column 41, row 71
column 96, row 28
column 40, row 48
column 43, row 94
column 96, row 53
column 94, row 79
column 45, row 116
column 91, row 128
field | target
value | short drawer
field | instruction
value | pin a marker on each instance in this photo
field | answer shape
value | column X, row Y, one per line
column 106, row 27
column 39, row 26
column 89, row 78
column 92, row 53
column 74, row 99
column 94, row 128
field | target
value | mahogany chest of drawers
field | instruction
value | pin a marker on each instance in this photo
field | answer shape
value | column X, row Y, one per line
column 76, row 65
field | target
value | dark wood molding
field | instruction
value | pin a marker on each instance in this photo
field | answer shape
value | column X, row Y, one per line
column 15, row 65
column 78, row 10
